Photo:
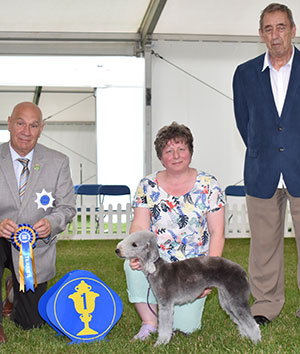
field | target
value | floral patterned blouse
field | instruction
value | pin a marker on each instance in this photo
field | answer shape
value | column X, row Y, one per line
column 179, row 222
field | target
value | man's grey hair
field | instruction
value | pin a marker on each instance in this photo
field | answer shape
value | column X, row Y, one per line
column 276, row 7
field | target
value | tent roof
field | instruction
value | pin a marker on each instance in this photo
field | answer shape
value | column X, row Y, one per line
column 231, row 17
column 215, row 17
column 73, row 15
column 74, row 26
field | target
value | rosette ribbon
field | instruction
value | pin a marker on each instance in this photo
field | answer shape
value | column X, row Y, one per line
column 24, row 240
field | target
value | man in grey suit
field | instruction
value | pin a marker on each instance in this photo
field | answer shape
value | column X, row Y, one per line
column 267, row 112
column 45, row 201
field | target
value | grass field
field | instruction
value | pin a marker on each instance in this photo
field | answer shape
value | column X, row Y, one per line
column 218, row 333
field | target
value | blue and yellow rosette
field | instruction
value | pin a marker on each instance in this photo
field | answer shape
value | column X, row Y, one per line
column 24, row 240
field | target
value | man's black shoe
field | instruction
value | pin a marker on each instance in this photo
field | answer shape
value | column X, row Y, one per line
column 261, row 320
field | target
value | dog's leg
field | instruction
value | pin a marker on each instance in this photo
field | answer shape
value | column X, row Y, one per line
column 239, row 311
column 165, row 323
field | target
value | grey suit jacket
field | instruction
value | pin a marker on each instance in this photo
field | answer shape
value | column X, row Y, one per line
column 50, row 171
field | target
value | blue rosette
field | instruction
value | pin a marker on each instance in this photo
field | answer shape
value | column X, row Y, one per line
column 24, row 240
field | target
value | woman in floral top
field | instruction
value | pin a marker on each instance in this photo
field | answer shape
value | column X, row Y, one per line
column 184, row 208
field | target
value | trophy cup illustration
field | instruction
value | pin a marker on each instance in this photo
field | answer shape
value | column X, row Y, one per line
column 84, row 302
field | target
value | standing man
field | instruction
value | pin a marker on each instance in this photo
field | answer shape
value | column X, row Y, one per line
column 35, row 189
column 267, row 111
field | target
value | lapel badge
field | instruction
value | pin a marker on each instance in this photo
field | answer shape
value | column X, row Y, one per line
column 44, row 200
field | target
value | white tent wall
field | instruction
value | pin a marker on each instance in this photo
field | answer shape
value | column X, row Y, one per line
column 176, row 96
column 78, row 142
column 70, row 128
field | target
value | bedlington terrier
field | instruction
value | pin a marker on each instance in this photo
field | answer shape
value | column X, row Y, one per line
column 182, row 282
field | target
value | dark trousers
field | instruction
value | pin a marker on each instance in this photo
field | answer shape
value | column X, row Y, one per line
column 25, row 310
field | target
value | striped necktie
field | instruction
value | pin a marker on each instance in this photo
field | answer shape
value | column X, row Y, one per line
column 23, row 177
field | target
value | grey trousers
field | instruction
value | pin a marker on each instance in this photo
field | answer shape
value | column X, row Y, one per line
column 266, row 260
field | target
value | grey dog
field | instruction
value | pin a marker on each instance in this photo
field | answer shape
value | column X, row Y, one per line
column 182, row 282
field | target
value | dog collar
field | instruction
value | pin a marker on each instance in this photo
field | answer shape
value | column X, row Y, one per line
column 158, row 258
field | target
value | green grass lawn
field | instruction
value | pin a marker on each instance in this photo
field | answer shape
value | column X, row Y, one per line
column 218, row 333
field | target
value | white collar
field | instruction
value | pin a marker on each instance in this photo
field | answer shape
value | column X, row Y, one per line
column 15, row 155
column 267, row 61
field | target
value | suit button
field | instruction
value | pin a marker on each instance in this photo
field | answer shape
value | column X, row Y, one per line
column 281, row 149
column 280, row 129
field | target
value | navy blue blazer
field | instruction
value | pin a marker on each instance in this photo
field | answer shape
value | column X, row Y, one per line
column 272, row 142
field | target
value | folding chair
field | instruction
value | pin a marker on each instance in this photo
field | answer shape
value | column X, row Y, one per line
column 114, row 189
column 233, row 191
column 89, row 189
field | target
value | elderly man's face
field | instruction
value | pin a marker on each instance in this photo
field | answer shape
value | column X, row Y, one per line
column 25, row 127
column 277, row 33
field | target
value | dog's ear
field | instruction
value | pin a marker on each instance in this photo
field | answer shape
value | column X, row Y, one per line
column 149, row 265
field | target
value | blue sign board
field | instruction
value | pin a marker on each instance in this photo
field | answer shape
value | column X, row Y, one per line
column 81, row 306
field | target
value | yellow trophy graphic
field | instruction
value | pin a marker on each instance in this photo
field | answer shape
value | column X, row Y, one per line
column 84, row 302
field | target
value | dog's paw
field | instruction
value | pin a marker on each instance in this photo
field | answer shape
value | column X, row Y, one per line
column 162, row 340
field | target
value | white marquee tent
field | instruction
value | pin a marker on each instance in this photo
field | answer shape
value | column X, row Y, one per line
column 188, row 49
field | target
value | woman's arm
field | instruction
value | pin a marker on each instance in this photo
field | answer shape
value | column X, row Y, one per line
column 216, row 228
column 140, row 222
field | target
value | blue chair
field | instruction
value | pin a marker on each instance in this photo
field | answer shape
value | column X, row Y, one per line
column 89, row 189
column 235, row 191
column 114, row 189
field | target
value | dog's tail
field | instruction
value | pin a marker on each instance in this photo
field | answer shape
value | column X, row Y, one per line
column 249, row 328
column 239, row 312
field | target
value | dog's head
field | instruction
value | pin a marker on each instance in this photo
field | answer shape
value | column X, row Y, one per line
column 141, row 245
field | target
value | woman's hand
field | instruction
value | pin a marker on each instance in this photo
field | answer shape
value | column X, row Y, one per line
column 206, row 292
column 135, row 264
column 140, row 222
